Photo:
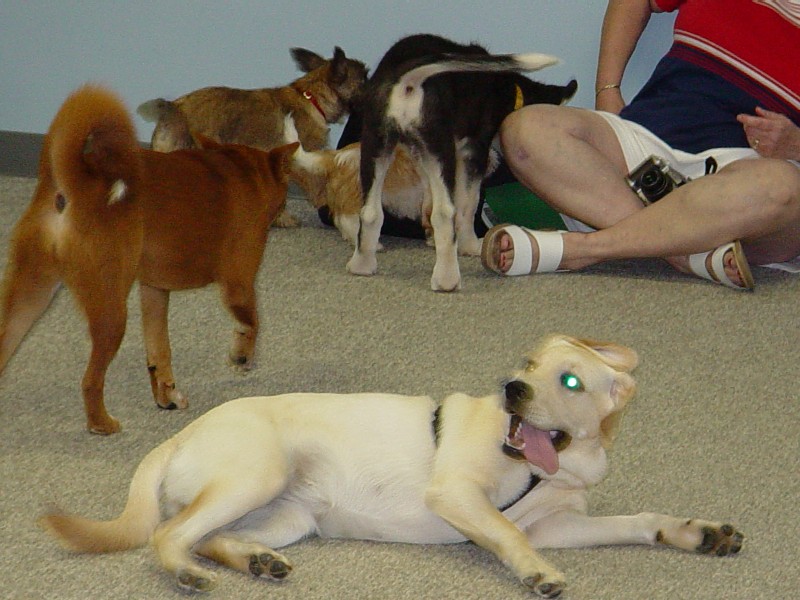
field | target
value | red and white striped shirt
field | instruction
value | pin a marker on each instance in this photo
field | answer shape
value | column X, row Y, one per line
column 754, row 44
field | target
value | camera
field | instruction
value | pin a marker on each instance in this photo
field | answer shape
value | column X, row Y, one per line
column 654, row 179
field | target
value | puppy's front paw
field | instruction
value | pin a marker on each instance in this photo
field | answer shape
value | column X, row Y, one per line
column 196, row 580
column 545, row 585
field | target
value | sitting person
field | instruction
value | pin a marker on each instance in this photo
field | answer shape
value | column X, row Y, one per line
column 722, row 108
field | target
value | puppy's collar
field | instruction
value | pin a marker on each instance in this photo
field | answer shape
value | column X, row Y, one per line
column 532, row 483
column 310, row 97
column 519, row 98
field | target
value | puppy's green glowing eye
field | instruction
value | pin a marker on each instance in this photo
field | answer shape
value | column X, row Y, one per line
column 571, row 382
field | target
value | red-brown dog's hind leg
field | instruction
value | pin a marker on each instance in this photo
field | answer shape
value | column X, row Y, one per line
column 106, row 329
column 155, row 309
column 240, row 299
column 29, row 284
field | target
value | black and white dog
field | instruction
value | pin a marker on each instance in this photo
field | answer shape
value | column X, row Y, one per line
column 444, row 102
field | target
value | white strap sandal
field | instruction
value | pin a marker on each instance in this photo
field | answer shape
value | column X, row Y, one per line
column 697, row 265
column 550, row 250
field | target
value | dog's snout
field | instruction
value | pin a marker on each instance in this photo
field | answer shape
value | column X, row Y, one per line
column 517, row 391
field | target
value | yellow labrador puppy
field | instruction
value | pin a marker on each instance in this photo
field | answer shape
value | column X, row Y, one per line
column 508, row 471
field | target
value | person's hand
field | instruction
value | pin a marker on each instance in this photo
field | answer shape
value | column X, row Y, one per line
column 609, row 100
column 771, row 134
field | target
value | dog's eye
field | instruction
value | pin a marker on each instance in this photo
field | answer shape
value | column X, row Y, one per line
column 571, row 382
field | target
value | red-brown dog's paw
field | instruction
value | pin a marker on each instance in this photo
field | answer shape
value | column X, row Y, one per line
column 169, row 397
column 104, row 426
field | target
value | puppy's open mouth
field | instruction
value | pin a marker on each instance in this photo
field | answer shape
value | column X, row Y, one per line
column 537, row 446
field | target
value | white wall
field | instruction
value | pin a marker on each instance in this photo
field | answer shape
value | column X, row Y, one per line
column 149, row 48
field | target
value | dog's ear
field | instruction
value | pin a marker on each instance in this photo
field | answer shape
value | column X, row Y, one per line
column 306, row 60
column 620, row 358
column 339, row 66
column 622, row 389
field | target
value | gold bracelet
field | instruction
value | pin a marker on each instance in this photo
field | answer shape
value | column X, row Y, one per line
column 609, row 86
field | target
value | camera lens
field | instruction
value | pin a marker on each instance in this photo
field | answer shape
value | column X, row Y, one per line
column 654, row 184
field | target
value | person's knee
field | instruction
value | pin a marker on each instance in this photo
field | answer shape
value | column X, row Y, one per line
column 779, row 182
column 772, row 184
column 523, row 129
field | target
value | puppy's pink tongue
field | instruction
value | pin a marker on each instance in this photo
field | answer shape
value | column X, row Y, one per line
column 539, row 448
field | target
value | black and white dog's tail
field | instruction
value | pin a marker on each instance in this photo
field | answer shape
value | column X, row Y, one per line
column 453, row 63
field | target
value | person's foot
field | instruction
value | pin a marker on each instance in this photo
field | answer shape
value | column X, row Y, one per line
column 503, row 252
column 681, row 263
column 735, row 270
column 536, row 251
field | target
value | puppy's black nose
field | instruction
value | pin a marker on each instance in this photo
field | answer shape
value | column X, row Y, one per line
column 517, row 391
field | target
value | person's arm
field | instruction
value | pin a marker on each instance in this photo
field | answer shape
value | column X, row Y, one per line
column 772, row 134
column 623, row 25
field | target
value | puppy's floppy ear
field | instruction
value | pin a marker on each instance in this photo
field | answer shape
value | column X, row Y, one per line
column 615, row 356
column 306, row 60
column 622, row 389
column 620, row 358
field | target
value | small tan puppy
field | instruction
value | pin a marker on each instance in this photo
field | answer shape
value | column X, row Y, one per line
column 509, row 471
column 255, row 118
column 331, row 178
column 106, row 212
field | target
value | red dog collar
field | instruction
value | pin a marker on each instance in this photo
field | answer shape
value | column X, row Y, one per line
column 308, row 96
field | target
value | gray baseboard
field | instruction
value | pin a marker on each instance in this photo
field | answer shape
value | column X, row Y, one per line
column 19, row 153
column 19, row 156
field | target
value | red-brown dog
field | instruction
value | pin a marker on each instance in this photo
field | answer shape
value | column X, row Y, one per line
column 106, row 212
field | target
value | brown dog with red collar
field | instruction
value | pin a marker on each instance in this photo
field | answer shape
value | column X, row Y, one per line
column 107, row 212
column 255, row 118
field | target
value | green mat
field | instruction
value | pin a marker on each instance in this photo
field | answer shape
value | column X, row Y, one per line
column 514, row 203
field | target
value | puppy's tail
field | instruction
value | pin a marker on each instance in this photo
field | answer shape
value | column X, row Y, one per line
column 130, row 529
column 92, row 147
column 453, row 63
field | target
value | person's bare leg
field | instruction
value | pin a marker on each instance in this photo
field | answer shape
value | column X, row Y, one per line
column 755, row 201
column 572, row 158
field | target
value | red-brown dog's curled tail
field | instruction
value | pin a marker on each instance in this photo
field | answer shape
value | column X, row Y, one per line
column 91, row 150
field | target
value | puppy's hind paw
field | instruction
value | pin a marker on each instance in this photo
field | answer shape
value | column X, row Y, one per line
column 721, row 541
column 544, row 586
column 269, row 566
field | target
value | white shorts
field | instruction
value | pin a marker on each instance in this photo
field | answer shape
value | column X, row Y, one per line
column 638, row 144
